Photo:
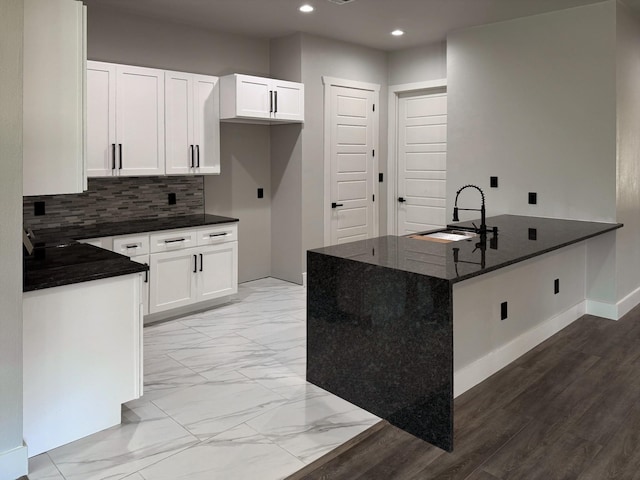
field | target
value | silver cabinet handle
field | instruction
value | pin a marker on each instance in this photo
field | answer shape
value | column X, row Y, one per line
column 217, row 234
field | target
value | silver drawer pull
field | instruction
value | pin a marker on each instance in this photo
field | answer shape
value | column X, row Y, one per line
column 176, row 240
column 131, row 246
column 217, row 234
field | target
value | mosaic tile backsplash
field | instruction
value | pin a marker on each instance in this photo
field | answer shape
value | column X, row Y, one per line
column 118, row 199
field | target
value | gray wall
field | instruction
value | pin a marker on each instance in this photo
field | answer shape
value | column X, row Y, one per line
column 533, row 101
column 628, row 167
column 119, row 37
column 320, row 57
column 419, row 64
column 245, row 166
column 11, row 28
column 286, row 170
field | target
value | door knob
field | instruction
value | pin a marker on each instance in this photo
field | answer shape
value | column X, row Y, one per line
column 334, row 205
column 401, row 199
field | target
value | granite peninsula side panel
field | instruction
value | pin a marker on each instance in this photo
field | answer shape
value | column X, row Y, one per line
column 382, row 338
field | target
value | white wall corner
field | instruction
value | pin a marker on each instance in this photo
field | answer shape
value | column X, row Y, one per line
column 14, row 463
column 602, row 309
column 470, row 375
column 304, row 279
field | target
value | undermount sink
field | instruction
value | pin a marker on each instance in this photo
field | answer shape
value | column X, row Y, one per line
column 446, row 235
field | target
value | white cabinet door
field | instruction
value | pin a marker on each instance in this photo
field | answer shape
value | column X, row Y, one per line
column 206, row 108
column 53, row 98
column 192, row 124
column 140, row 120
column 217, row 271
column 101, row 119
column 288, row 100
column 172, row 284
column 180, row 148
column 253, row 97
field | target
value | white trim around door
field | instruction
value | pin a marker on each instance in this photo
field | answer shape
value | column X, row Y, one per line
column 329, row 82
column 392, row 158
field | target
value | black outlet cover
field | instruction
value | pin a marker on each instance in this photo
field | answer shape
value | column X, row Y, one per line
column 533, row 198
column 261, row 193
column 493, row 182
column 556, row 286
column 533, row 234
column 172, row 199
column 503, row 311
column 38, row 208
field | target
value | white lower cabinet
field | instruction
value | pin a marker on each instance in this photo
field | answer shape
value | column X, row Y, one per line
column 192, row 275
column 186, row 266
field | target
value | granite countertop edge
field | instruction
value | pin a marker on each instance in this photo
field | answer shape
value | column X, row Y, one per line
column 77, row 262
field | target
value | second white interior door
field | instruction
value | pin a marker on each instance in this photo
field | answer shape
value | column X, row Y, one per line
column 422, row 161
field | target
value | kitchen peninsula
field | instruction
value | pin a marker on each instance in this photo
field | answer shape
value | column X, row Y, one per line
column 390, row 319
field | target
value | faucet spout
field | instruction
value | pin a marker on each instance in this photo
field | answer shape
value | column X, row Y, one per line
column 483, row 219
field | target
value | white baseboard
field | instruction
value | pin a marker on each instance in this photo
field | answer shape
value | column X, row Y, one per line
column 478, row 371
column 602, row 309
column 627, row 303
column 304, row 279
column 14, row 463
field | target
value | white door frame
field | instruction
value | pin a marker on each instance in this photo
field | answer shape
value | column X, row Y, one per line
column 392, row 157
column 329, row 82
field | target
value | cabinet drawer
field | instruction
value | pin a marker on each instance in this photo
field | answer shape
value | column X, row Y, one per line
column 172, row 240
column 102, row 242
column 131, row 245
column 218, row 234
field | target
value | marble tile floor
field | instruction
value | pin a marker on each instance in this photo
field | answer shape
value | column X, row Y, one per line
column 225, row 398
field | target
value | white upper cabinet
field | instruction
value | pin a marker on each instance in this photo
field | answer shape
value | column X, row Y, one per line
column 54, row 97
column 125, row 120
column 245, row 98
column 192, row 124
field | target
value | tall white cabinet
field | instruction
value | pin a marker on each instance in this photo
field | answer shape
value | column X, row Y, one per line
column 54, row 97
column 192, row 124
column 125, row 120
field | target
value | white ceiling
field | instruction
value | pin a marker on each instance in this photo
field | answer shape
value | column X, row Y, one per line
column 365, row 22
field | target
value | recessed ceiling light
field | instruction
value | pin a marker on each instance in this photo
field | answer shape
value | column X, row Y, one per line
column 397, row 33
column 306, row 8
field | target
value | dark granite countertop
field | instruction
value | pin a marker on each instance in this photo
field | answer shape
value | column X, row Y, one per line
column 63, row 235
column 74, row 263
column 61, row 260
column 519, row 238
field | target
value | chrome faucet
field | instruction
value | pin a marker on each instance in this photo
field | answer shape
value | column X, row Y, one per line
column 483, row 217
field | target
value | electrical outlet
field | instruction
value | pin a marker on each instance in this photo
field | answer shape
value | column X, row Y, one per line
column 493, row 182
column 556, row 286
column 261, row 193
column 533, row 198
column 503, row 311
column 172, row 199
column 38, row 208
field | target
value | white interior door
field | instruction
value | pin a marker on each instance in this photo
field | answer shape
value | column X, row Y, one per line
column 422, row 162
column 352, row 164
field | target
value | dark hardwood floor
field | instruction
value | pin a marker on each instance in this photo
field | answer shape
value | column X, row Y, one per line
column 568, row 409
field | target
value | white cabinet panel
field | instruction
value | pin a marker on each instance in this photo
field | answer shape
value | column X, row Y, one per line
column 192, row 124
column 172, row 283
column 131, row 245
column 101, row 119
column 125, row 120
column 140, row 120
column 245, row 98
column 218, row 234
column 217, row 273
column 172, row 240
column 144, row 260
column 54, row 97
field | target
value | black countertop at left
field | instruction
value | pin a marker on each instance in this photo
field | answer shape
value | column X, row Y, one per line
column 60, row 260
column 66, row 264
